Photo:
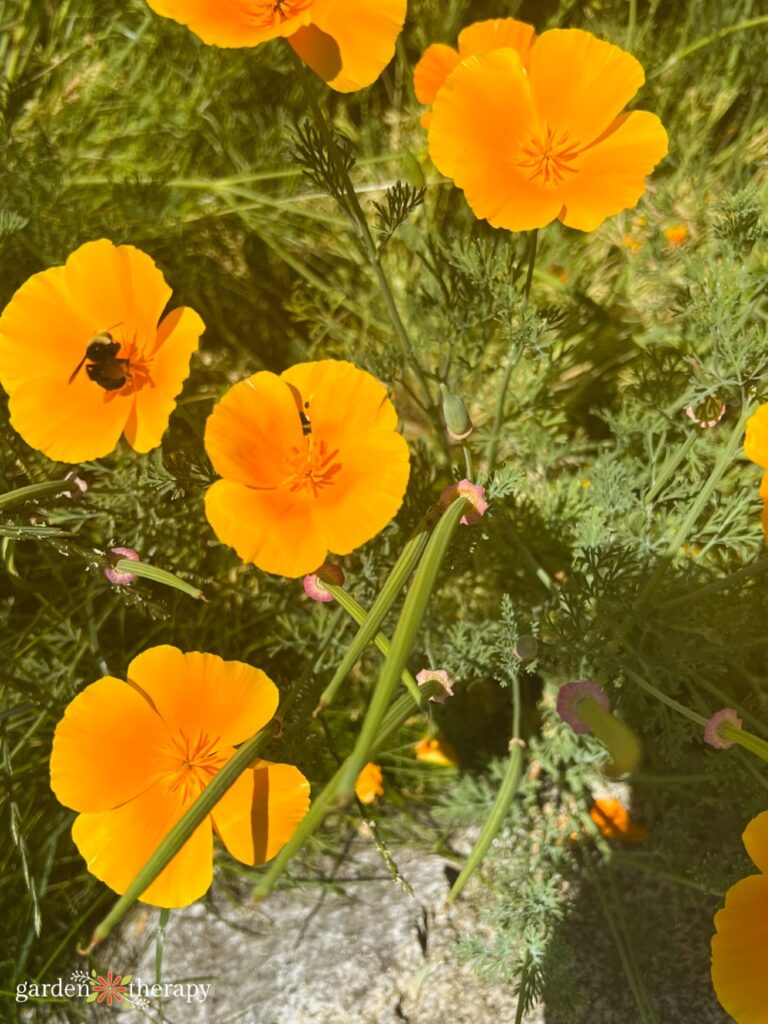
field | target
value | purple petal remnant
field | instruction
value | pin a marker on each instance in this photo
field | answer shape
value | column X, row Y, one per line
column 713, row 729
column 474, row 493
column 120, row 579
column 438, row 675
column 328, row 572
column 568, row 698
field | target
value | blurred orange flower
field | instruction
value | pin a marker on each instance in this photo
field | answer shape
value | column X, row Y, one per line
column 756, row 449
column 676, row 235
column 348, row 43
column 84, row 360
column 532, row 129
column 132, row 757
column 436, row 750
column 740, row 945
column 369, row 787
column 612, row 818
column 311, row 462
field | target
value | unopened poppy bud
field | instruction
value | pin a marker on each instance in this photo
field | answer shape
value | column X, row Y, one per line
column 586, row 708
column 719, row 726
column 474, row 493
column 329, row 572
column 438, row 675
column 457, row 421
column 118, row 578
column 526, row 648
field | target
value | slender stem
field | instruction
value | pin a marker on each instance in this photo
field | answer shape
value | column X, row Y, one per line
column 631, row 24
column 359, row 614
column 697, row 506
column 401, row 710
column 401, row 571
column 183, row 829
column 712, row 588
column 671, row 465
column 360, row 221
column 522, row 990
column 669, row 701
column 404, row 638
column 501, row 804
column 152, row 572
column 498, row 419
column 33, row 492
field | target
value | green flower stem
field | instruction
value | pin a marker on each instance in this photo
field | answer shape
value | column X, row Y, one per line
column 401, row 571
column 686, row 51
column 151, row 572
column 501, row 399
column 33, row 492
column 501, row 804
column 722, row 584
column 622, row 744
column 697, row 506
column 669, row 701
column 670, row 465
column 358, row 613
column 360, row 222
column 400, row 710
column 745, row 739
column 404, row 638
column 183, row 829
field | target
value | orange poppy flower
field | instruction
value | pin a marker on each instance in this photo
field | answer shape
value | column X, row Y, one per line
column 756, row 450
column 348, row 43
column 132, row 757
column 532, row 129
column 369, row 786
column 613, row 819
column 740, row 945
column 84, row 359
column 311, row 462
column 436, row 750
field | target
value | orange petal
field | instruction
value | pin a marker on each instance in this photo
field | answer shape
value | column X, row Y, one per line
column 251, row 431
column 200, row 694
column 756, row 439
column 739, row 972
column 756, row 841
column 117, row 287
column 480, row 117
column 367, row 491
column 69, row 422
column 116, row 845
column 41, row 331
column 485, row 36
column 177, row 338
column 274, row 529
column 233, row 23
column 105, row 748
column 369, row 784
column 429, row 75
column 610, row 175
column 365, row 32
column 258, row 815
column 580, row 83
column 340, row 399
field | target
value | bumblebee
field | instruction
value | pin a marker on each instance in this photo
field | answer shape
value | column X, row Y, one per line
column 102, row 364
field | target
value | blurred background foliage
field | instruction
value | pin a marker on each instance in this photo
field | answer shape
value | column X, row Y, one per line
column 123, row 125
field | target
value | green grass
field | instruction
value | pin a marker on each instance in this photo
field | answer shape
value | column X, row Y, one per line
column 125, row 126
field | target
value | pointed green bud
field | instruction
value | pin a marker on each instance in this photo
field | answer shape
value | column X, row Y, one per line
column 457, row 421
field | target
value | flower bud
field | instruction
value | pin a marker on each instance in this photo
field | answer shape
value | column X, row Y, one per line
column 457, row 421
column 120, row 579
column 328, row 572
column 586, row 708
column 439, row 675
column 717, row 728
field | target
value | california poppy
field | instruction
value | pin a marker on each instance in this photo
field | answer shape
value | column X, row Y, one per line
column 348, row 43
column 85, row 357
column 132, row 757
column 614, row 821
column 369, row 786
column 532, row 129
column 311, row 462
column 756, row 449
column 740, row 945
column 436, row 750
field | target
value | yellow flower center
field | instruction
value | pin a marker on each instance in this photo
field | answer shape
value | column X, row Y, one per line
column 266, row 13
column 548, row 159
column 312, row 466
column 192, row 764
